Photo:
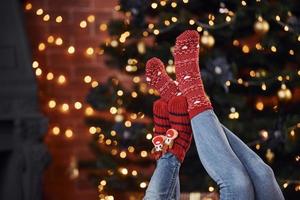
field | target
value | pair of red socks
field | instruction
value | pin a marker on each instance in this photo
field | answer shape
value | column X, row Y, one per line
column 181, row 100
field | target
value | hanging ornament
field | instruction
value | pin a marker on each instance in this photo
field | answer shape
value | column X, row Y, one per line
column 261, row 26
column 284, row 93
column 207, row 40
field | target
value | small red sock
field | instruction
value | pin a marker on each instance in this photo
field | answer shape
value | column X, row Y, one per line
column 188, row 72
column 157, row 78
column 180, row 121
column 161, row 121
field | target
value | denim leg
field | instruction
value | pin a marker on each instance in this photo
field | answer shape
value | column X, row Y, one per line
column 164, row 180
column 219, row 160
column 261, row 174
column 176, row 193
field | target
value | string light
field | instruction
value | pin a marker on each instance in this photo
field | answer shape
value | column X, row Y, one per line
column 65, row 107
column 58, row 41
column 154, row 5
column 46, row 17
column 71, row 50
column 91, row 18
column 103, row 27
column 42, row 46
column 50, row 39
column 39, row 11
column 35, row 64
column 28, row 6
column 77, row 105
column 143, row 185
column 89, row 111
column 83, row 24
column 87, row 79
column 61, row 79
column 92, row 130
column 69, row 133
column 55, row 130
column 38, row 72
column 50, row 76
column 59, row 19
column 52, row 103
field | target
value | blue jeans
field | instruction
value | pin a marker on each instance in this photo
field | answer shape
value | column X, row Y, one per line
column 239, row 172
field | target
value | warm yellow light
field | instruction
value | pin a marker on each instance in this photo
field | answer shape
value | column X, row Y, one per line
column 285, row 185
column 144, row 154
column 42, row 46
column 259, row 105
column 103, row 182
column 127, row 123
column 156, row 32
column 92, row 130
column 90, row 51
column 211, row 189
column 89, row 111
column 123, row 154
column 65, row 107
column 124, row 171
column 50, row 76
column 61, row 79
column 28, row 6
column 163, row 3
column 71, row 50
column 174, row 19
column 277, row 18
column 59, row 41
column 87, row 79
column 185, row 1
column 136, row 79
column 52, row 104
column 38, row 72
column 46, row 17
column 143, row 185
column 191, row 22
column 69, row 133
column 154, row 5
column 199, row 29
column 244, row 3
column 83, row 24
column 103, row 27
column 91, row 18
column 227, row 83
column 167, row 22
column 58, row 19
column 286, row 28
column 228, row 18
column 257, row 146
column 174, row 4
column 120, row 93
column 292, row 133
column 50, row 39
column 131, row 149
column 113, row 110
column 149, row 136
column 35, row 64
column 134, row 94
column 134, row 173
column 94, row 84
column 113, row 133
column 39, row 11
column 264, row 87
column 245, row 49
column 77, row 105
column 273, row 48
column 258, row 46
column 291, row 52
column 108, row 142
column 55, row 130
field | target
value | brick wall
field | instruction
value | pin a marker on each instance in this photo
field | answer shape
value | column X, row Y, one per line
column 55, row 60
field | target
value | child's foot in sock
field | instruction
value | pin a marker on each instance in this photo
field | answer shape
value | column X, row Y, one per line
column 161, row 125
column 157, row 78
column 188, row 72
column 180, row 121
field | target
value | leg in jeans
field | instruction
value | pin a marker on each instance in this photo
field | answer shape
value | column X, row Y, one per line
column 164, row 181
column 261, row 174
column 218, row 158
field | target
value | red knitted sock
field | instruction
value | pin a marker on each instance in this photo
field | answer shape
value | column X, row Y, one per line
column 188, row 73
column 161, row 125
column 157, row 78
column 180, row 121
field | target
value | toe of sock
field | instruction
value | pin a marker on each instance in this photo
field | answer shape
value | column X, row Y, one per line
column 188, row 35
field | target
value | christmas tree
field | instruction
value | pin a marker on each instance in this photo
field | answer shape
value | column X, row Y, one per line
column 249, row 58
